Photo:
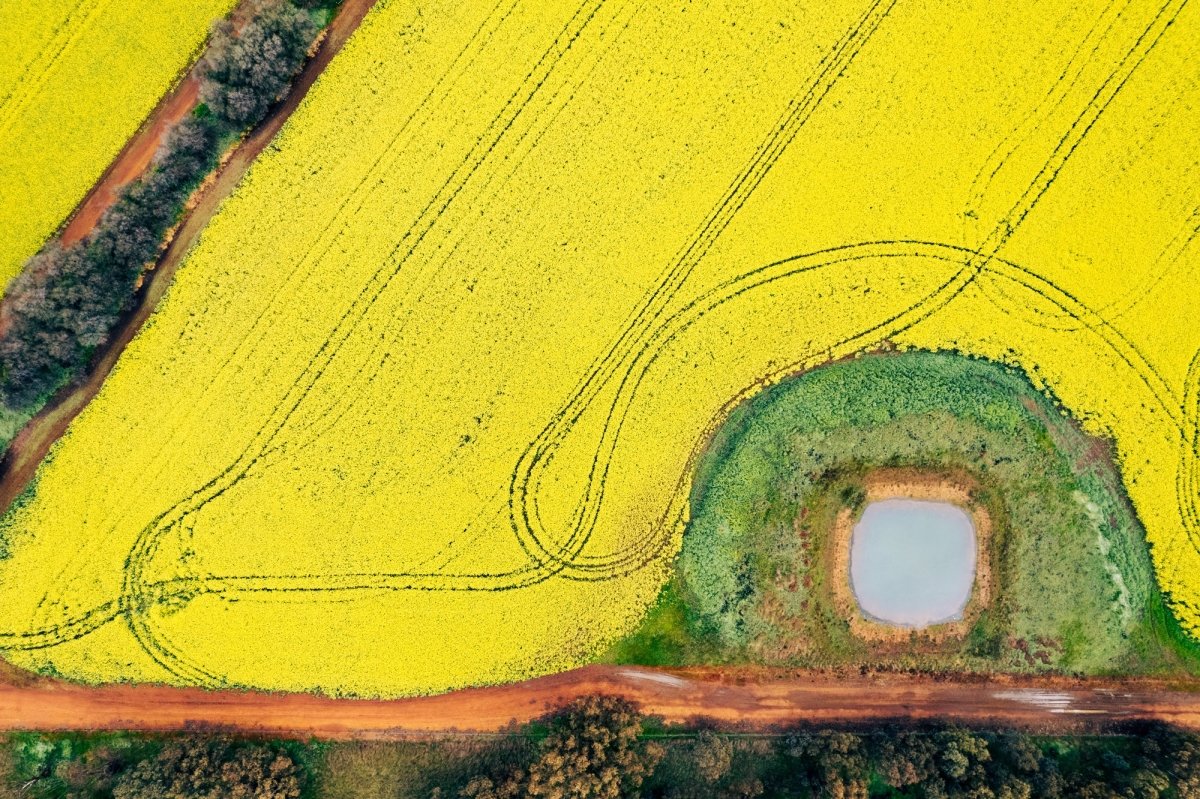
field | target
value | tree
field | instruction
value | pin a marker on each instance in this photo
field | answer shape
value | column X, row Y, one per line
column 593, row 752
column 187, row 152
column 216, row 768
column 962, row 756
column 906, row 759
column 948, row 763
column 508, row 787
column 1179, row 755
column 829, row 764
column 41, row 344
column 713, row 756
column 245, row 71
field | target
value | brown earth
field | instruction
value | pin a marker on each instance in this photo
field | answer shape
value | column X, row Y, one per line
column 746, row 697
column 133, row 160
column 33, row 442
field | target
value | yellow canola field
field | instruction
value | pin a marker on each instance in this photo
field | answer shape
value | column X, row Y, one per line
column 421, row 409
column 77, row 79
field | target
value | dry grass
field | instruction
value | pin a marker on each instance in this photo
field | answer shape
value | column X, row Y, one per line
column 374, row 770
column 401, row 769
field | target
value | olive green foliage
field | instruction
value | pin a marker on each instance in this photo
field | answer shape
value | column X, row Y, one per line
column 713, row 756
column 1074, row 580
column 215, row 769
column 603, row 747
column 119, row 766
column 593, row 751
column 832, row 764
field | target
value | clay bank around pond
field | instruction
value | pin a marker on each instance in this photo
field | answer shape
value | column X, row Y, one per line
column 912, row 562
column 916, row 560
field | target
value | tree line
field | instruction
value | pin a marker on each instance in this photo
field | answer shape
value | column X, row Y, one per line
column 68, row 300
column 602, row 747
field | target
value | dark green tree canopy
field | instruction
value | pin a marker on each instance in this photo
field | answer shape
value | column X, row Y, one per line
column 246, row 71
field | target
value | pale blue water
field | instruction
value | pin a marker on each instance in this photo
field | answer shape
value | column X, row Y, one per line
column 912, row 562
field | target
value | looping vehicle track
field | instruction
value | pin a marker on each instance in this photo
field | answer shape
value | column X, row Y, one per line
column 595, row 414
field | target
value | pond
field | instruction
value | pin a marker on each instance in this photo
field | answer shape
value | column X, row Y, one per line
column 912, row 562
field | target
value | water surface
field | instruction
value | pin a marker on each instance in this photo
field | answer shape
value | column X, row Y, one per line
column 912, row 562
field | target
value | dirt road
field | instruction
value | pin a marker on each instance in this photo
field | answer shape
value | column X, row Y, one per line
column 755, row 699
column 133, row 159
column 33, row 442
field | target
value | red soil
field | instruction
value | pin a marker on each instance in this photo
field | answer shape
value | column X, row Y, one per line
column 747, row 697
column 133, row 160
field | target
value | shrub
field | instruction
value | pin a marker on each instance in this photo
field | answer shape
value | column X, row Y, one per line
column 246, row 72
column 218, row 768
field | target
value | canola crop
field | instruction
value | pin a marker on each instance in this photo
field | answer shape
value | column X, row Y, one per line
column 422, row 408
column 77, row 79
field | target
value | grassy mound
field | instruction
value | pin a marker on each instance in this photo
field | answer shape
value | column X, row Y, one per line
column 1074, row 591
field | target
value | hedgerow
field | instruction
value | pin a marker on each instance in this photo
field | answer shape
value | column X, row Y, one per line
column 68, row 300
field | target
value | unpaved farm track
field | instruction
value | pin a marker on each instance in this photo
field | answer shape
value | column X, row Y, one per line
column 133, row 160
column 35, row 439
column 748, row 698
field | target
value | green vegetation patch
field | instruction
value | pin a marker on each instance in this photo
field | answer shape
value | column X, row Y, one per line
column 1074, row 588
column 131, row 766
column 603, row 747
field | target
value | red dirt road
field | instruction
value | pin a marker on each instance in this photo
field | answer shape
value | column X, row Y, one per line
column 750, row 698
column 133, row 160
